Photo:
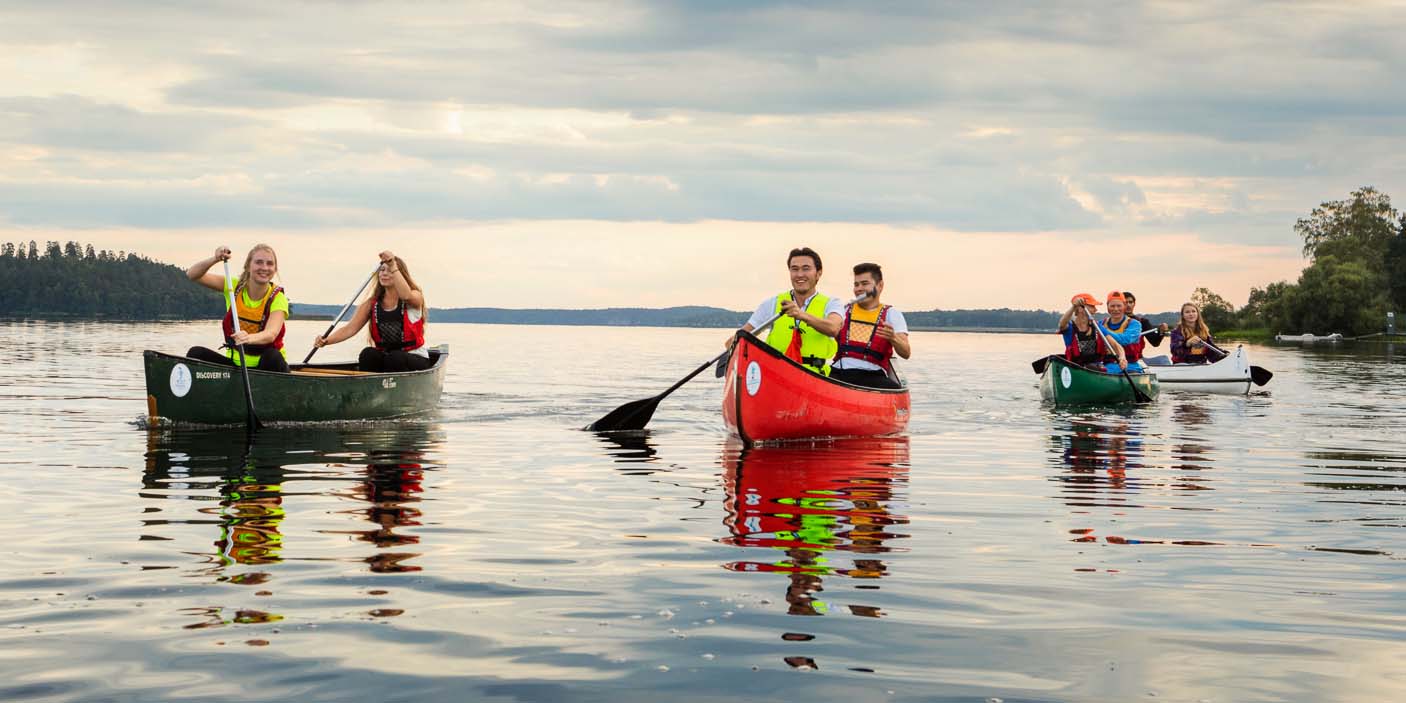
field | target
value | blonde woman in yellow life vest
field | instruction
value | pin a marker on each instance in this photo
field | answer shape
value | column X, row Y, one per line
column 806, row 332
column 262, row 308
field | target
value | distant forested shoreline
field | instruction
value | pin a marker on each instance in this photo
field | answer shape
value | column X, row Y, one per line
column 74, row 281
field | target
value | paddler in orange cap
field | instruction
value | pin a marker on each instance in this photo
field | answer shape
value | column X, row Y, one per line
column 1123, row 329
column 1083, row 344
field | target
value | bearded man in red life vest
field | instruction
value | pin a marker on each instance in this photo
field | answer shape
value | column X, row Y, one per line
column 870, row 335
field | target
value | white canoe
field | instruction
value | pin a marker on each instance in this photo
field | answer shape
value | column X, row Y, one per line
column 1230, row 375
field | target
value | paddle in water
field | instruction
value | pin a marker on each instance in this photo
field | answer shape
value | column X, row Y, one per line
column 1258, row 374
column 251, row 418
column 344, row 310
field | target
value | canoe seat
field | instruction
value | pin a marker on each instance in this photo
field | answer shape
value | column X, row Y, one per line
column 329, row 372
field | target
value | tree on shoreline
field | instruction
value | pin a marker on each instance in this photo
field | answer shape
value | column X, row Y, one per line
column 1357, row 274
column 70, row 280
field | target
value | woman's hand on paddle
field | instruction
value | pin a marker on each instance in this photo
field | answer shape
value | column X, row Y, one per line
column 222, row 253
column 241, row 337
column 319, row 342
column 387, row 259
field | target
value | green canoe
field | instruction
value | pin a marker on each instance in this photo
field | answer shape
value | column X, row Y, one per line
column 1066, row 382
column 185, row 390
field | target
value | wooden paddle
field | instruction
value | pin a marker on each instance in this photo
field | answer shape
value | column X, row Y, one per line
column 1138, row 395
column 251, row 418
column 344, row 310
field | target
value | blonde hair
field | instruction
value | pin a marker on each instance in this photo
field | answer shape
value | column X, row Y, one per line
column 1200, row 330
column 249, row 259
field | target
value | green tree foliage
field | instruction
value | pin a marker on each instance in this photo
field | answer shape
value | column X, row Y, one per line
column 1215, row 310
column 1396, row 269
column 1273, row 307
column 1358, row 271
column 1336, row 295
column 1360, row 227
column 73, row 281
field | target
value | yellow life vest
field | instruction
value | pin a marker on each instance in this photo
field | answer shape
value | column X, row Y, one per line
column 817, row 348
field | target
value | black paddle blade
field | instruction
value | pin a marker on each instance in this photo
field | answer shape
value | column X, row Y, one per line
column 1138, row 395
column 1260, row 375
column 1039, row 365
column 720, row 369
column 633, row 415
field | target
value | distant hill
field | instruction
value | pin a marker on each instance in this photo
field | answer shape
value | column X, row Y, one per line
column 71, row 280
column 1003, row 319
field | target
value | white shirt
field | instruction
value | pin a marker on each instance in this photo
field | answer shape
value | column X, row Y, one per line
column 894, row 320
column 767, row 309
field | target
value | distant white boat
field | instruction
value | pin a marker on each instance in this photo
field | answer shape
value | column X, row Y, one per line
column 1307, row 338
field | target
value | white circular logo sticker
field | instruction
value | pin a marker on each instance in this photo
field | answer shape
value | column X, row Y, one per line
column 180, row 380
column 754, row 378
column 1065, row 377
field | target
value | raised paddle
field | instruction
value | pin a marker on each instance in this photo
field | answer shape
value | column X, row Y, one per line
column 344, row 310
column 251, row 418
column 1138, row 395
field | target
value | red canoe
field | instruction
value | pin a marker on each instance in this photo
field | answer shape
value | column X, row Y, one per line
column 769, row 397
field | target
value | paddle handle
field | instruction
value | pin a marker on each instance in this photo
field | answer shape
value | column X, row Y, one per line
column 769, row 321
column 233, row 311
column 345, row 308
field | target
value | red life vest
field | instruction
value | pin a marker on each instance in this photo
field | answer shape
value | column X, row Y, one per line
column 1132, row 351
column 877, row 351
column 1072, row 353
column 412, row 334
column 250, row 325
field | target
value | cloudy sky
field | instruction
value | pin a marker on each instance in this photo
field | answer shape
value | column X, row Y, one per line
column 667, row 152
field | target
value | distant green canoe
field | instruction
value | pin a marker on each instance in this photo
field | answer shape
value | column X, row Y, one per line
column 1068, row 383
column 185, row 390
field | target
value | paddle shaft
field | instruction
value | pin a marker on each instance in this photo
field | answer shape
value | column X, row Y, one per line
column 1137, row 394
column 251, row 418
column 345, row 308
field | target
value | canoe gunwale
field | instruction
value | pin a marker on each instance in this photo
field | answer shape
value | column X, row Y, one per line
column 765, row 348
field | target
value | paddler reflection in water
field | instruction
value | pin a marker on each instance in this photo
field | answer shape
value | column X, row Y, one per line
column 262, row 310
column 870, row 335
column 396, row 311
column 806, row 331
column 812, row 506
column 1083, row 344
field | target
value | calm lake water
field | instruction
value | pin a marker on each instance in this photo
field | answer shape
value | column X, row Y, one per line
column 1203, row 548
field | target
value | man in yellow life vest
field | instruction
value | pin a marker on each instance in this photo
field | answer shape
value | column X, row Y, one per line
column 806, row 331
